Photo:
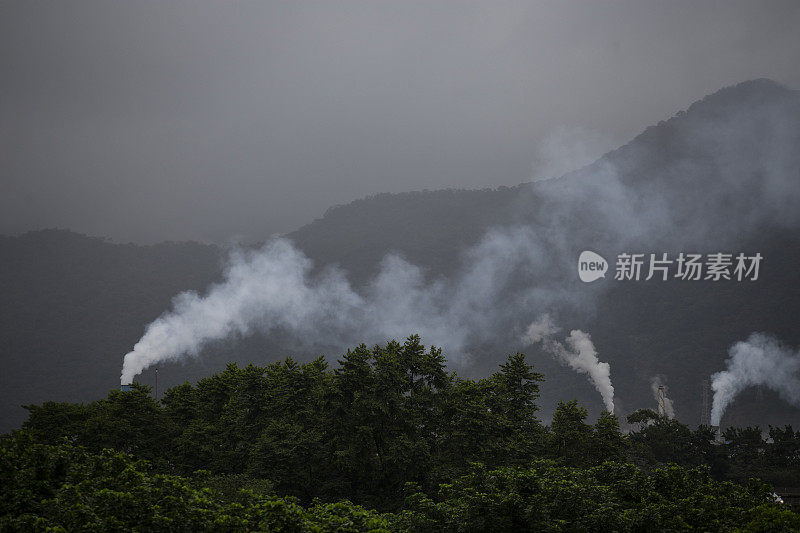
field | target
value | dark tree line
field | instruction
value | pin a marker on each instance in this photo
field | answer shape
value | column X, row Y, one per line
column 391, row 429
column 385, row 416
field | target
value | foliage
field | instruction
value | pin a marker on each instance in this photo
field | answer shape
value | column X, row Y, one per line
column 289, row 446
column 608, row 497
column 385, row 416
column 65, row 488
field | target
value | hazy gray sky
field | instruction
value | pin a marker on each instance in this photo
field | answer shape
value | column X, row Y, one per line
column 148, row 121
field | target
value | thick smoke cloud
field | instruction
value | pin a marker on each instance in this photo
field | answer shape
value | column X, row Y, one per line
column 275, row 288
column 760, row 360
column 577, row 351
column 269, row 288
column 655, row 383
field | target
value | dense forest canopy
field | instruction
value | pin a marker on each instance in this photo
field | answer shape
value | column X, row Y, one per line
column 306, row 446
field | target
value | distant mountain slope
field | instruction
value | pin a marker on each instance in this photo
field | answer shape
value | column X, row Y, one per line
column 429, row 227
column 721, row 176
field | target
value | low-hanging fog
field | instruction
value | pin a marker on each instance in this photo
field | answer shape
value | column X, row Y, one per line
column 151, row 121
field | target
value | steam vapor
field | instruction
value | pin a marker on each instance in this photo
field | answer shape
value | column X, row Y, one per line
column 274, row 289
column 655, row 383
column 579, row 353
column 761, row 360
column 268, row 288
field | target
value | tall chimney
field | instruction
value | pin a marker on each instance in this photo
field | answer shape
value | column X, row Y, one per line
column 705, row 410
column 661, row 410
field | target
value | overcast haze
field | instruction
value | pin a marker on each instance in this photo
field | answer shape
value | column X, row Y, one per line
column 148, row 121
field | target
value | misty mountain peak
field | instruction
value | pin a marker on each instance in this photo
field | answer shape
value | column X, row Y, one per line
column 747, row 94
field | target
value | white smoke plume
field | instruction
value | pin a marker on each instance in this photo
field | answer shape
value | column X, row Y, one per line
column 579, row 353
column 760, row 360
column 269, row 288
column 540, row 330
column 274, row 289
column 655, row 383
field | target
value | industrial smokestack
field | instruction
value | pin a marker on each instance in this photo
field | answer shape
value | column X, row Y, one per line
column 659, row 387
column 705, row 409
column 126, row 388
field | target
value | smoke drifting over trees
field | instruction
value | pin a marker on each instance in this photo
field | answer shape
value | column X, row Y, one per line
column 274, row 288
column 579, row 354
column 760, row 360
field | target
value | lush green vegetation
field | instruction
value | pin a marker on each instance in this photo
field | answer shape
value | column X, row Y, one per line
column 67, row 488
column 386, row 440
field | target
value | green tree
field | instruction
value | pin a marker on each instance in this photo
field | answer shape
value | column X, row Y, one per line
column 570, row 435
column 609, row 443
